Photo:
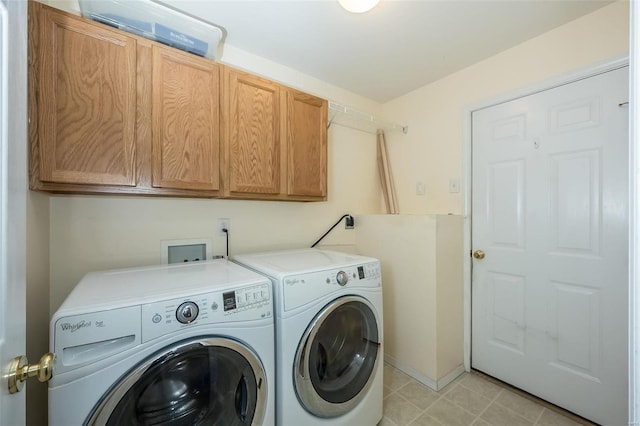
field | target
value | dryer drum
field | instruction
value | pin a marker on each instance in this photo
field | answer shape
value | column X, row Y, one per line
column 337, row 357
column 208, row 382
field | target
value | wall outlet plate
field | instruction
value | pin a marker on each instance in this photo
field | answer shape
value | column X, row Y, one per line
column 349, row 222
column 223, row 223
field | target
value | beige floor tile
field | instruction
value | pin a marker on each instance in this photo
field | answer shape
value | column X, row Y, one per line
column 480, row 385
column 453, row 383
column 472, row 401
column 418, row 394
column 521, row 405
column 497, row 415
column 386, row 422
column 399, row 410
column 386, row 391
column 426, row 420
column 551, row 418
column 449, row 414
column 394, row 378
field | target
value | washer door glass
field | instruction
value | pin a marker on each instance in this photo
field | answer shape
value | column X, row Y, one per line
column 208, row 382
column 337, row 357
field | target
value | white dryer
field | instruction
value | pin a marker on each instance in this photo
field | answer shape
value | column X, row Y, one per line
column 328, row 310
column 184, row 344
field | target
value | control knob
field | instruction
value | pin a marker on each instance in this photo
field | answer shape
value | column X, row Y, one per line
column 187, row 312
column 342, row 278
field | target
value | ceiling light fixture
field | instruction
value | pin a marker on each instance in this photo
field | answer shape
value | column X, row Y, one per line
column 358, row 6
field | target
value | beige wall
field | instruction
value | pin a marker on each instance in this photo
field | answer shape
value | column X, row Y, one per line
column 100, row 232
column 432, row 150
column 421, row 260
column 238, row 58
column 37, row 300
column 92, row 233
column 89, row 233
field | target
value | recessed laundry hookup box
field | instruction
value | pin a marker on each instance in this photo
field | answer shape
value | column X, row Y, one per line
column 154, row 21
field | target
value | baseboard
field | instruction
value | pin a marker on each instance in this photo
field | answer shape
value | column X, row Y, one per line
column 448, row 378
column 436, row 385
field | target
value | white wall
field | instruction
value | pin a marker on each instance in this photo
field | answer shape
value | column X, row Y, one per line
column 432, row 150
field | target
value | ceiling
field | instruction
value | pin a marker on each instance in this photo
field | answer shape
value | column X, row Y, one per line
column 395, row 48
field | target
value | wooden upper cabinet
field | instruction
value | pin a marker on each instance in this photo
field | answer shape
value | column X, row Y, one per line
column 111, row 112
column 252, row 134
column 186, row 121
column 276, row 140
column 306, row 136
column 86, row 110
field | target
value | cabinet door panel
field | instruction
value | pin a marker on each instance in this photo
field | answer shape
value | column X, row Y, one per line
column 253, row 134
column 307, row 144
column 186, row 117
column 87, row 103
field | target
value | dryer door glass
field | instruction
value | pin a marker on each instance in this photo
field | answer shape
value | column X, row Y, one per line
column 196, row 384
column 338, row 357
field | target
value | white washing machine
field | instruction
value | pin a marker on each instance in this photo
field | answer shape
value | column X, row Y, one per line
column 183, row 344
column 328, row 310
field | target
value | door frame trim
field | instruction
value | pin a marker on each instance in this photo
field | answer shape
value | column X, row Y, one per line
column 634, row 241
column 567, row 78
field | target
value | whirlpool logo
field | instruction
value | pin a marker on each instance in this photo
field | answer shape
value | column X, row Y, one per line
column 72, row 328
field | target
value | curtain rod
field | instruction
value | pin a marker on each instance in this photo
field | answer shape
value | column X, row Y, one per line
column 352, row 118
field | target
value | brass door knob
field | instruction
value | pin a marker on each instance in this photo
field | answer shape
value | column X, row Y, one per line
column 478, row 254
column 20, row 370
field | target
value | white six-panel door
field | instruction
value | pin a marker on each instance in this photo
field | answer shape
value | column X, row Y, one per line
column 550, row 212
column 13, row 192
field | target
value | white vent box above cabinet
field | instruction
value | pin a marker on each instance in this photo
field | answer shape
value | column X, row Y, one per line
column 154, row 21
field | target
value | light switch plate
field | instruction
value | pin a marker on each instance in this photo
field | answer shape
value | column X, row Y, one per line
column 454, row 185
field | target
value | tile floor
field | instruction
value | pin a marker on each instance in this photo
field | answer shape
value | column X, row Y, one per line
column 471, row 399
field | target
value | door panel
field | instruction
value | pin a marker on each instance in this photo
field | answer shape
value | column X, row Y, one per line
column 186, row 121
column 87, row 103
column 550, row 204
column 574, row 318
column 307, row 144
column 505, row 201
column 253, row 127
column 575, row 200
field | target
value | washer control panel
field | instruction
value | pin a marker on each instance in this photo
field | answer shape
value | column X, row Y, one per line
column 300, row 289
column 253, row 302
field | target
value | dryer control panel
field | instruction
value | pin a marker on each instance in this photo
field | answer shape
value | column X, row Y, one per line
column 248, row 303
column 301, row 289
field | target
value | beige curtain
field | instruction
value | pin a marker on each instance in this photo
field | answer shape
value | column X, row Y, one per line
column 386, row 177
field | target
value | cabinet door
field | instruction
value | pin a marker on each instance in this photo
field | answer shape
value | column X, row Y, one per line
column 87, row 102
column 306, row 145
column 252, row 134
column 185, row 123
